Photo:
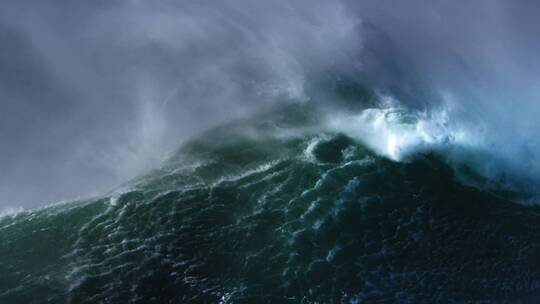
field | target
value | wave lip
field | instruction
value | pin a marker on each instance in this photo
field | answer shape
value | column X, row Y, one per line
column 397, row 132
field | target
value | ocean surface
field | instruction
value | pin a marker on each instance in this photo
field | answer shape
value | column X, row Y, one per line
column 294, row 204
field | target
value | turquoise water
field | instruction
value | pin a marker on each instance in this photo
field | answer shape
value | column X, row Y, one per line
column 280, row 209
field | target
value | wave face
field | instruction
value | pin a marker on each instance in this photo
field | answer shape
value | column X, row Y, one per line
column 282, row 208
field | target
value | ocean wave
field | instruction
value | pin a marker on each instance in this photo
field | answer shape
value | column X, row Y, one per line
column 332, row 212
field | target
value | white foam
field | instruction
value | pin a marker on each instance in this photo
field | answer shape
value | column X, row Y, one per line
column 258, row 169
column 310, row 149
column 396, row 133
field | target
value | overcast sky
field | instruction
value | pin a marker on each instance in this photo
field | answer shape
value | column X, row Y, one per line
column 95, row 92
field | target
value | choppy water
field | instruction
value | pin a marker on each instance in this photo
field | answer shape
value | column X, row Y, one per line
column 278, row 209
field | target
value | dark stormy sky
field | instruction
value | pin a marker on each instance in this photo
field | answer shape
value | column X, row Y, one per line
column 95, row 92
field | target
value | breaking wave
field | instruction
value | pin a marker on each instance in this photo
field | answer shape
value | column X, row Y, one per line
column 293, row 205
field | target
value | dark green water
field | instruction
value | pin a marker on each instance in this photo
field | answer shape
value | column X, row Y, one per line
column 276, row 210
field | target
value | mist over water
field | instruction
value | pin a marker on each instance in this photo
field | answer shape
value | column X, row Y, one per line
column 95, row 93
